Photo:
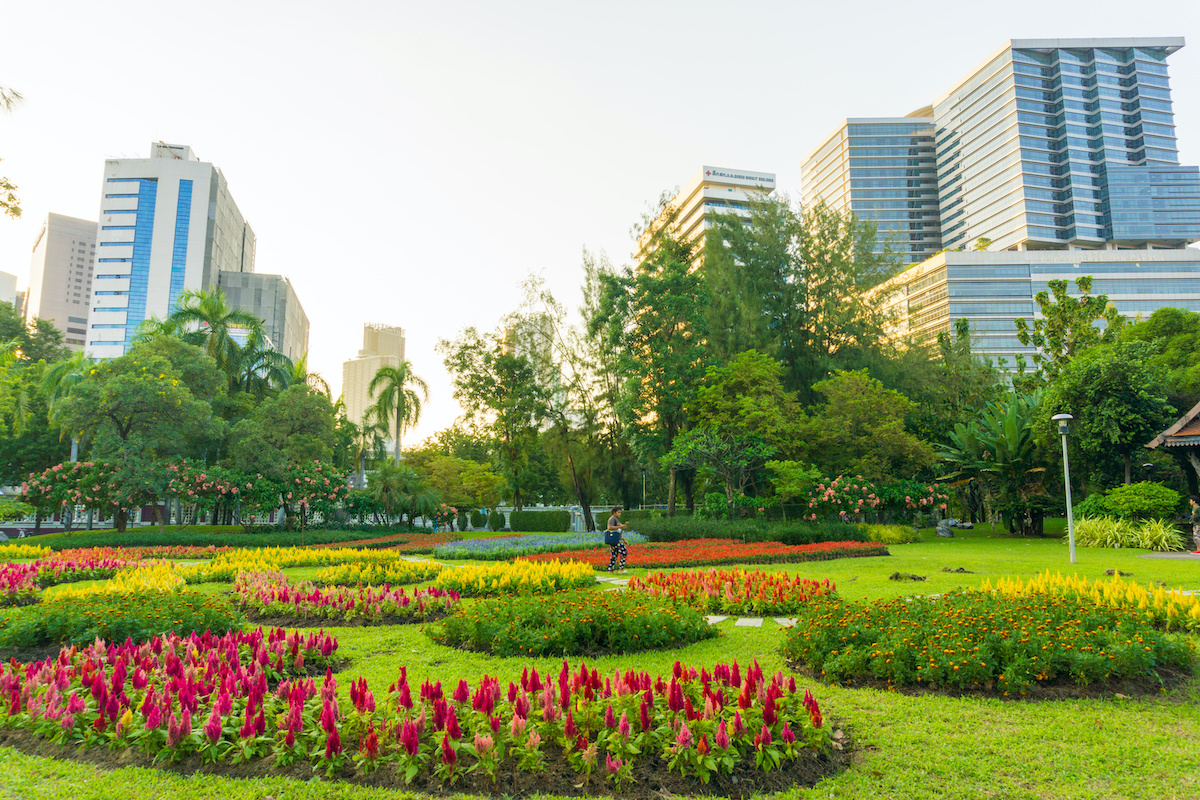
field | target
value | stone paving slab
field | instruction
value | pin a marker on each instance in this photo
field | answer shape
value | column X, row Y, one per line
column 1173, row 556
column 786, row 622
column 749, row 622
column 713, row 619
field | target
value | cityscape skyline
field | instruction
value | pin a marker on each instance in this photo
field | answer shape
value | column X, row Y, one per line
column 386, row 195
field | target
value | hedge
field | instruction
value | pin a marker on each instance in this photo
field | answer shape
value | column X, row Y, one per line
column 203, row 536
column 540, row 521
column 674, row 529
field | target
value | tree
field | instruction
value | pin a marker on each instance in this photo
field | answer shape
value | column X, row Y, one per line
column 1066, row 328
column 210, row 318
column 1175, row 334
column 400, row 490
column 860, row 430
column 654, row 318
column 295, row 427
column 40, row 340
column 9, row 203
column 498, row 387
column 395, row 397
column 36, row 444
column 1117, row 398
column 257, row 368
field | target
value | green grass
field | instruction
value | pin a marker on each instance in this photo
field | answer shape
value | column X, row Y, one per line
column 909, row 747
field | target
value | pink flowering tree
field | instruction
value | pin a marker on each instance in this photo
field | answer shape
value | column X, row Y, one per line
column 844, row 497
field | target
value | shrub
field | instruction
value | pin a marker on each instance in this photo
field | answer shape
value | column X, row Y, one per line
column 733, row 591
column 518, row 577
column 1142, row 500
column 1092, row 506
column 207, row 535
column 714, row 506
column 1160, row 535
column 464, row 520
column 115, row 616
column 979, row 641
column 1112, row 532
column 478, row 520
column 573, row 623
column 495, row 520
column 893, row 534
column 540, row 521
column 675, row 529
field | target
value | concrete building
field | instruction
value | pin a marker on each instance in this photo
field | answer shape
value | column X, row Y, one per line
column 167, row 223
column 8, row 289
column 992, row 289
column 60, row 276
column 882, row 169
column 383, row 346
column 712, row 190
column 272, row 299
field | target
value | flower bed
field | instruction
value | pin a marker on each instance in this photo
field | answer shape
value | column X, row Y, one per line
column 1168, row 609
column 504, row 547
column 226, row 566
column 143, row 553
column 393, row 572
column 10, row 551
column 981, row 641
column 70, row 569
column 209, row 700
column 518, row 577
column 572, row 623
column 694, row 552
column 153, row 576
column 269, row 595
column 734, row 591
column 18, row 584
column 426, row 542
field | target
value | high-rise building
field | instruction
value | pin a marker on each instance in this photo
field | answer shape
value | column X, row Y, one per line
column 8, row 289
column 1055, row 159
column 1058, row 143
column 883, row 170
column 272, row 299
column 383, row 346
column 712, row 190
column 167, row 223
column 60, row 276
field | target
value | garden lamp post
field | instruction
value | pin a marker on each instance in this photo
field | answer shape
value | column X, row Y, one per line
column 1064, row 429
column 643, row 487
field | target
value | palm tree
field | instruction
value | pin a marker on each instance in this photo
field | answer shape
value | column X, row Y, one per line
column 57, row 382
column 369, row 442
column 216, row 319
column 400, row 490
column 256, row 366
column 396, row 399
column 300, row 374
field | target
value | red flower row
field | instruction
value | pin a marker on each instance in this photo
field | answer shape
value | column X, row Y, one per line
column 720, row 551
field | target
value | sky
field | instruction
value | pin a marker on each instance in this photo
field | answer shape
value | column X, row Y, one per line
column 413, row 163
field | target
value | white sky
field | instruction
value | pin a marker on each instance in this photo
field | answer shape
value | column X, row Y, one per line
column 410, row 163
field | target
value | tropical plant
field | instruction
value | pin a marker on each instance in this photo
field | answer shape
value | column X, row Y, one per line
column 395, row 397
column 212, row 320
column 399, row 490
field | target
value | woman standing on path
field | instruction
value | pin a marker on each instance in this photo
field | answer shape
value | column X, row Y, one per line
column 614, row 539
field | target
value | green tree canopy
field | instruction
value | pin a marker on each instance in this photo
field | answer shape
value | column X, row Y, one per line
column 1175, row 334
column 1066, row 327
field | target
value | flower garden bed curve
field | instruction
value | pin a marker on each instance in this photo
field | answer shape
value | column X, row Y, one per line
column 705, row 552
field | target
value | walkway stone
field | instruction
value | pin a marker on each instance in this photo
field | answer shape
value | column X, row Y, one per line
column 786, row 622
column 749, row 622
column 713, row 620
column 1173, row 556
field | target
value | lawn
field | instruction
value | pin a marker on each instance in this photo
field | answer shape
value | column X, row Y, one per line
column 907, row 746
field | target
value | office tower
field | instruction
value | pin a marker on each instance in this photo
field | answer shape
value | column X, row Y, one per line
column 712, row 190
column 167, row 223
column 1058, row 143
column 883, row 170
column 8, row 289
column 60, row 276
column 272, row 299
column 383, row 346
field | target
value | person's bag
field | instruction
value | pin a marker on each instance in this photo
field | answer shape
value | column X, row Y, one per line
column 612, row 538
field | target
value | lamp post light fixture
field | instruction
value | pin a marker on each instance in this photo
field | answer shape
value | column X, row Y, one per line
column 1064, row 429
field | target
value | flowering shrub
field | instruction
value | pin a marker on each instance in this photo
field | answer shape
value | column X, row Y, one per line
column 906, row 496
column 518, row 577
column 393, row 572
column 225, row 566
column 1156, row 605
column 695, row 552
column 70, row 618
column 18, row 584
column 499, row 548
column 734, row 591
column 572, row 622
column 978, row 641
column 845, row 495
column 213, row 697
column 270, row 594
column 11, row 551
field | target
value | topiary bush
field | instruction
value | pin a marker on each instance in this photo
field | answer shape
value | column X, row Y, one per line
column 540, row 521
column 478, row 520
column 495, row 520
column 1143, row 500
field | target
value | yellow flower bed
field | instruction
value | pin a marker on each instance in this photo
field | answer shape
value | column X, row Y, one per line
column 160, row 576
column 225, row 566
column 377, row 574
column 517, row 577
column 12, row 550
column 1172, row 609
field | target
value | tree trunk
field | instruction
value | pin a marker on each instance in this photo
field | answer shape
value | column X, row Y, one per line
column 160, row 517
column 671, row 492
column 581, row 494
column 1128, row 468
column 120, row 520
column 37, row 521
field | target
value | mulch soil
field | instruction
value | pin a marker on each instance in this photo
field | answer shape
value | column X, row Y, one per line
column 1059, row 690
column 652, row 780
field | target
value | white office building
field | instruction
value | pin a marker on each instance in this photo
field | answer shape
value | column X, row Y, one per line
column 60, row 276
column 167, row 223
column 383, row 346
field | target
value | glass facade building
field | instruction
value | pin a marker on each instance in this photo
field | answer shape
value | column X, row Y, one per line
column 1058, row 144
column 884, row 171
